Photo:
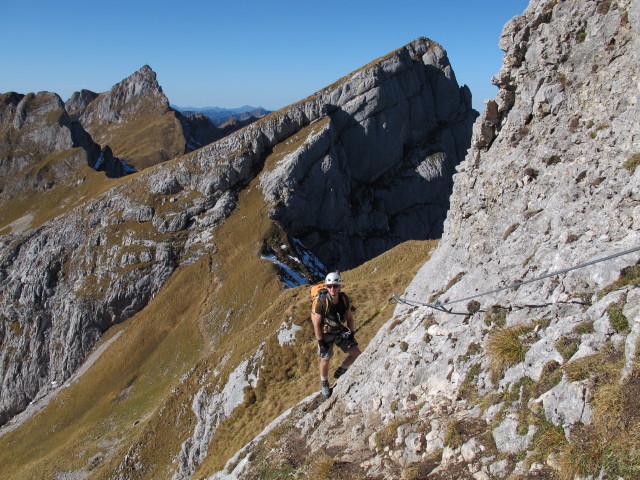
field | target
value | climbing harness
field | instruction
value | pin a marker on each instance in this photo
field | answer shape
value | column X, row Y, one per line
column 440, row 305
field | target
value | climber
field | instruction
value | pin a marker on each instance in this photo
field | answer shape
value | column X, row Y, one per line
column 333, row 324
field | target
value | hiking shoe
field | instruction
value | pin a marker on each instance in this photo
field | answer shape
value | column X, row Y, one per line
column 326, row 389
column 339, row 372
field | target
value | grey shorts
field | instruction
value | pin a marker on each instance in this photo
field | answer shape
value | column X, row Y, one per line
column 344, row 343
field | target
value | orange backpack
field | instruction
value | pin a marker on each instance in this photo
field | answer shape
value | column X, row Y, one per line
column 318, row 291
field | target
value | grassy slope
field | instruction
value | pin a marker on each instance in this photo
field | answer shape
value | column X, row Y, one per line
column 290, row 373
column 150, row 136
column 147, row 141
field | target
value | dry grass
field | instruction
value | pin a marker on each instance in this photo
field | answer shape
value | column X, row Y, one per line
column 321, row 466
column 605, row 364
column 611, row 443
column 549, row 438
column 459, row 432
column 147, row 141
column 386, row 436
column 567, row 346
column 506, row 348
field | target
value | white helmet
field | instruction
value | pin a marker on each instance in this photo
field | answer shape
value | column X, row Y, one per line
column 333, row 278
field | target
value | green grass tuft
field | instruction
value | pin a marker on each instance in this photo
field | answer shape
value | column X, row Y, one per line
column 618, row 321
column 632, row 163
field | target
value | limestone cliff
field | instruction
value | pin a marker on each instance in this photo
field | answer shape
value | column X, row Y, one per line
column 366, row 179
column 39, row 143
column 536, row 381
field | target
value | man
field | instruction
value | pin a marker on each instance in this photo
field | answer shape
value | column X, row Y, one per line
column 333, row 324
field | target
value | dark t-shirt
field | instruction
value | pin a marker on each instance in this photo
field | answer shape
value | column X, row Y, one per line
column 336, row 315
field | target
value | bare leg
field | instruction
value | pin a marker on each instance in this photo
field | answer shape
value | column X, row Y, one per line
column 324, row 367
column 352, row 355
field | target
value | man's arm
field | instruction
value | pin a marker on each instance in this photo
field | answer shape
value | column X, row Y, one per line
column 350, row 324
column 316, row 318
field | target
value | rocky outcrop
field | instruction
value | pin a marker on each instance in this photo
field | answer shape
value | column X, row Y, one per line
column 39, row 143
column 353, row 177
column 551, row 182
column 63, row 286
column 78, row 101
column 211, row 409
column 134, row 119
column 363, row 181
column 125, row 100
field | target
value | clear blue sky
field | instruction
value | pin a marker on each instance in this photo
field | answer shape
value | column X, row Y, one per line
column 237, row 52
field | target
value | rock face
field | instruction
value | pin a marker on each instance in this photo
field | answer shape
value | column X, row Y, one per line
column 364, row 180
column 32, row 128
column 135, row 120
column 549, row 183
column 78, row 101
column 66, row 282
column 131, row 116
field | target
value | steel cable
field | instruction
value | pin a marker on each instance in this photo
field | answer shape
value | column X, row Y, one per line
column 440, row 306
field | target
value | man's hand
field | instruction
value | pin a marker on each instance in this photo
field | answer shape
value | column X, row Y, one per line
column 350, row 337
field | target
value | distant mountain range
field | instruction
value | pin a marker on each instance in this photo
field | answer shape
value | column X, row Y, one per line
column 220, row 116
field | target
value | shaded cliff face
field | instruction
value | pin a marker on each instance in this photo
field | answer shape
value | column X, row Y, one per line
column 365, row 179
column 221, row 212
column 538, row 381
